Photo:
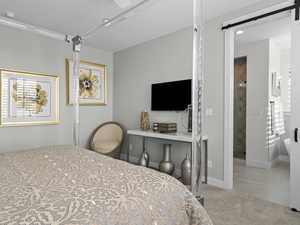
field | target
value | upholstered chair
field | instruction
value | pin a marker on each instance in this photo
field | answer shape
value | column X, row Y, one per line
column 107, row 139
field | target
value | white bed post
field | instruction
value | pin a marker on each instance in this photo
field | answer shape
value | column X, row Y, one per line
column 198, row 26
column 76, row 41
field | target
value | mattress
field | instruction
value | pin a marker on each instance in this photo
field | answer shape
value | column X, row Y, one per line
column 67, row 186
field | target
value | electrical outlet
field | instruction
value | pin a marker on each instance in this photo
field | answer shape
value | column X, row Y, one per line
column 130, row 147
column 209, row 112
column 209, row 164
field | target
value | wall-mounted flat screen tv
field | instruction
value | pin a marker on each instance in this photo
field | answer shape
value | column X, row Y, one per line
column 171, row 96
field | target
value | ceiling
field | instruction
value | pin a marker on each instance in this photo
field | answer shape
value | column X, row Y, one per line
column 155, row 19
column 279, row 30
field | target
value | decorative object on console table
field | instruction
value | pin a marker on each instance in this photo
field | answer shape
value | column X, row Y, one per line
column 167, row 166
column 186, row 170
column 167, row 127
column 28, row 98
column 155, row 127
column 145, row 158
column 92, row 83
column 145, row 121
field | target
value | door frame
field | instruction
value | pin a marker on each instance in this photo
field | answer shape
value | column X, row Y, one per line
column 228, row 134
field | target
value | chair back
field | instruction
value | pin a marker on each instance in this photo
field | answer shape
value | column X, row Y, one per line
column 107, row 139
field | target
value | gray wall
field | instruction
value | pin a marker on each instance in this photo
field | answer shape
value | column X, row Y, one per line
column 25, row 51
column 165, row 59
column 257, row 100
column 285, row 66
column 137, row 67
column 274, row 140
column 285, row 63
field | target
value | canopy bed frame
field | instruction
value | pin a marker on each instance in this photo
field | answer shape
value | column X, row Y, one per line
column 197, row 96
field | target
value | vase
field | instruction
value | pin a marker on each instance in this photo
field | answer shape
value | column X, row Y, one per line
column 145, row 121
column 167, row 166
column 144, row 159
column 186, row 170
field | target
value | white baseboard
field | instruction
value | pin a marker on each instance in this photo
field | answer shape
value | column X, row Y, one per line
column 267, row 165
column 210, row 180
column 216, row 182
column 284, row 158
column 259, row 164
column 280, row 158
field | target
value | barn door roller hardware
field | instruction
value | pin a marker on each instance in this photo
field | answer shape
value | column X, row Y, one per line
column 295, row 6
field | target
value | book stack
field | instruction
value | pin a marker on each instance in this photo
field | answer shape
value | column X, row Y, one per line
column 167, row 127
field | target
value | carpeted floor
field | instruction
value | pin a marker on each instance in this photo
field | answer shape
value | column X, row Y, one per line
column 234, row 208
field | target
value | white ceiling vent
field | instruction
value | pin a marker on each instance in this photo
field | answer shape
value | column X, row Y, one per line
column 123, row 3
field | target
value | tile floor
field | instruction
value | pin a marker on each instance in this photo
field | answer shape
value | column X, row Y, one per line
column 236, row 208
column 266, row 184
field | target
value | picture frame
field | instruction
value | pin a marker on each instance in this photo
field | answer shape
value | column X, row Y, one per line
column 93, row 83
column 28, row 98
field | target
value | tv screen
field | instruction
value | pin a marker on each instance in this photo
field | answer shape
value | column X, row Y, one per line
column 171, row 96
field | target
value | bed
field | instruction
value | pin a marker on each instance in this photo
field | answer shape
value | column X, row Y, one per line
column 67, row 186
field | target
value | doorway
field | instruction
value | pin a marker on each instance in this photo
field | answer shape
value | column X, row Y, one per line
column 270, row 110
column 240, row 104
column 259, row 146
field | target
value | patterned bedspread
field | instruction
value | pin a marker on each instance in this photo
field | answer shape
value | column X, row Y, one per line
column 66, row 186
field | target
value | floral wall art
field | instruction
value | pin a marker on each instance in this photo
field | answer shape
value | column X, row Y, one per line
column 28, row 98
column 92, row 83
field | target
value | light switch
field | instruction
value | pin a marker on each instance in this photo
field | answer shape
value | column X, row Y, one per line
column 209, row 112
column 209, row 164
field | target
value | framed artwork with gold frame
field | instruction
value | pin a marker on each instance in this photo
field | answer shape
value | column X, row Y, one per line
column 28, row 98
column 92, row 83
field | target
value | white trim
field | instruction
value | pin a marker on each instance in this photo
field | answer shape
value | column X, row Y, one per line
column 267, row 165
column 228, row 108
column 284, row 158
column 216, row 182
column 228, row 89
column 259, row 164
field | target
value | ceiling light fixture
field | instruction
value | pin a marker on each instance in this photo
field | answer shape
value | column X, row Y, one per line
column 123, row 3
column 118, row 18
column 106, row 22
column 239, row 32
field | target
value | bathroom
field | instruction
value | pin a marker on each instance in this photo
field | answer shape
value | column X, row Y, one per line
column 262, row 107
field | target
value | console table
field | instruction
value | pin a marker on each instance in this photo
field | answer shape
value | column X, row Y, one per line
column 180, row 137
